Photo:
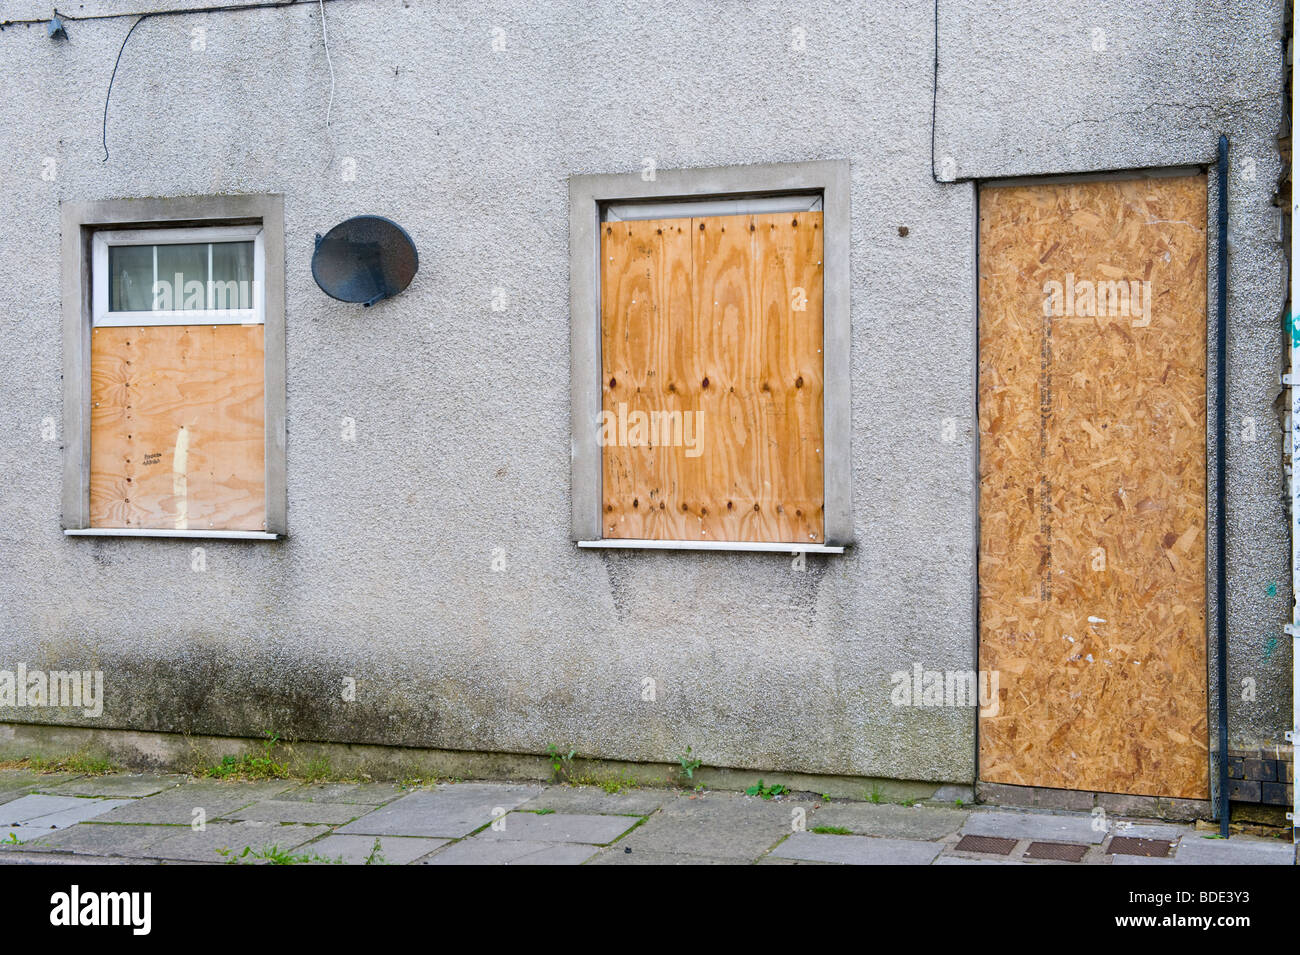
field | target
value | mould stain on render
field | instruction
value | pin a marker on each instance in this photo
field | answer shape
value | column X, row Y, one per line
column 209, row 689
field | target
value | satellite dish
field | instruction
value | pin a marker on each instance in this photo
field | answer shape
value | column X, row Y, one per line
column 364, row 259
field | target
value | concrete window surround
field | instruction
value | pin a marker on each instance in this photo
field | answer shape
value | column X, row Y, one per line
column 589, row 197
column 80, row 221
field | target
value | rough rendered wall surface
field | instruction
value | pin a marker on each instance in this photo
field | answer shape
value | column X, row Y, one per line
column 1103, row 86
column 462, row 416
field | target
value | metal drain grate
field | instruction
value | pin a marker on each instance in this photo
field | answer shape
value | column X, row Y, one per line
column 1133, row 846
column 995, row 845
column 1060, row 851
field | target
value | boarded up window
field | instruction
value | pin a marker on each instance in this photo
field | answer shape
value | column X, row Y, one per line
column 1092, row 485
column 177, row 432
column 711, row 354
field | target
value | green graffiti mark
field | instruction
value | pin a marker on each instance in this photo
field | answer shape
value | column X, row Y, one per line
column 1272, row 590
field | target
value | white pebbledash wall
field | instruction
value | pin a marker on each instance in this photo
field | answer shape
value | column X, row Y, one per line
column 463, row 122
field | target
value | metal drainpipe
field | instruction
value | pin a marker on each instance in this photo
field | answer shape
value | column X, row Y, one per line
column 1220, row 484
column 1293, row 331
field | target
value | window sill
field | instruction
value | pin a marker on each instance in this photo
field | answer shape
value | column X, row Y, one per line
column 743, row 546
column 163, row 532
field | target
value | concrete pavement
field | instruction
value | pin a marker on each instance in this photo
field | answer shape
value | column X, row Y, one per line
column 142, row 819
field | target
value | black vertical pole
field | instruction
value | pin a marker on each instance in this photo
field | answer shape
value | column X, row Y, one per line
column 1220, row 483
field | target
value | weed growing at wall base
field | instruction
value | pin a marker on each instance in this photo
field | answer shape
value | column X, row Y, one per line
column 252, row 767
column 561, row 763
column 689, row 763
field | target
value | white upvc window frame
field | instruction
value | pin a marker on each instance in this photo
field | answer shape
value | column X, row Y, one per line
column 162, row 235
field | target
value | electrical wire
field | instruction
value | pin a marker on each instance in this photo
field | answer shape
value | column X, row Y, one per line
column 934, row 104
column 329, row 109
column 223, row 8
column 170, row 12
column 109, row 95
column 934, row 110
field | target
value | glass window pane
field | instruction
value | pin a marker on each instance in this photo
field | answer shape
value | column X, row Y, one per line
column 232, row 274
column 130, row 278
column 183, row 276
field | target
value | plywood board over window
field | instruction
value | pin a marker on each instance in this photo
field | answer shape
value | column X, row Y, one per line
column 712, row 390
column 177, row 375
column 1092, row 485
column 174, row 364
column 177, row 427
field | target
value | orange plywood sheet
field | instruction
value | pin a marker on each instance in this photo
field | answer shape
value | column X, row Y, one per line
column 711, row 353
column 1092, row 385
column 177, row 427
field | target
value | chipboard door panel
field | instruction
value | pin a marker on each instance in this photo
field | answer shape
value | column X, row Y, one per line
column 1092, row 388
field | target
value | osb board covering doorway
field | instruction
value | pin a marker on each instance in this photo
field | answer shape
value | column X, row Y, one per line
column 1092, row 384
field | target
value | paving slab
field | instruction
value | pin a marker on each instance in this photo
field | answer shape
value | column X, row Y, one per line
column 479, row 851
column 963, row 860
column 65, row 858
column 254, row 788
column 903, row 822
column 40, row 813
column 1140, row 860
column 17, row 779
column 362, row 794
column 85, row 809
column 450, row 811
column 26, row 778
column 285, row 810
column 723, row 825
column 355, row 850
column 1038, row 826
column 632, row 802
column 1141, row 830
column 176, row 806
column 559, row 827
column 618, row 855
column 31, row 806
column 203, row 846
column 857, row 850
column 108, row 840
column 125, row 786
column 1239, row 850
column 662, row 826
column 16, row 783
column 774, row 860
